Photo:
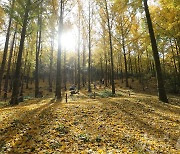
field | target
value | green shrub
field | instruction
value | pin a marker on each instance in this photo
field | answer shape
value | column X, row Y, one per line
column 106, row 94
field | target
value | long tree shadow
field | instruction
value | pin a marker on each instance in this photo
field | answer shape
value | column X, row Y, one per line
column 16, row 111
column 148, row 108
column 26, row 122
column 135, row 121
column 169, row 107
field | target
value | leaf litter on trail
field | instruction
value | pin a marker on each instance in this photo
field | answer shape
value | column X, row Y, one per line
column 102, row 125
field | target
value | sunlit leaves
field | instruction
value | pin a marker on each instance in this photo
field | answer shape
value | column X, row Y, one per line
column 2, row 15
column 137, row 124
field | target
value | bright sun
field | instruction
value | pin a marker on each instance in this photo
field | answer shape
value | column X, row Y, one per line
column 68, row 41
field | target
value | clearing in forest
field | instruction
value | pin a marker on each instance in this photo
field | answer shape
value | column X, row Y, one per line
column 135, row 124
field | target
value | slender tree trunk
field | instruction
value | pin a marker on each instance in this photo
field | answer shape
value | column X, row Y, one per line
column 51, row 63
column 148, row 61
column 121, row 70
column 131, row 66
column 6, row 46
column 109, row 71
column 136, row 68
column 119, row 66
column 15, row 92
column 9, row 64
column 72, row 73
column 84, row 64
column 124, row 54
column 106, row 70
column 160, row 81
column 59, row 74
column 79, row 68
column 178, row 55
column 89, row 60
column 125, row 62
column 28, row 73
column 175, row 68
column 75, row 72
column 65, row 75
column 129, row 61
column 29, row 70
column 38, row 48
column 102, row 71
column 139, row 69
column 105, row 60
column 37, row 68
column 22, row 78
column 111, row 49
column 13, row 67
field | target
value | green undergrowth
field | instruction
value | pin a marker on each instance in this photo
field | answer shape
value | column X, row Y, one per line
column 3, row 103
column 108, row 93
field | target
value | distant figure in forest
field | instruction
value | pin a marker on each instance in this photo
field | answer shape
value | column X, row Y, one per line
column 73, row 89
column 102, row 81
column 95, row 85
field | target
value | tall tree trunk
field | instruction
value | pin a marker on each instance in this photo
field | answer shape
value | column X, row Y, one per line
column 29, row 70
column 38, row 48
column 84, row 64
column 13, row 67
column 15, row 92
column 102, row 71
column 72, row 77
column 51, row 63
column 9, row 64
column 124, row 54
column 28, row 73
column 119, row 67
column 147, row 61
column 22, row 77
column 129, row 61
column 79, row 69
column 6, row 46
column 178, row 54
column 59, row 74
column 105, row 60
column 125, row 62
column 109, row 71
column 175, row 68
column 130, row 66
column 75, row 72
column 136, row 68
column 139, row 68
column 65, row 74
column 106, row 70
column 37, row 67
column 89, row 60
column 160, row 81
column 111, row 49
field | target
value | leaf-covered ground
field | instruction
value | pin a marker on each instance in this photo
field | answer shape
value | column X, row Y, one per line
column 124, row 124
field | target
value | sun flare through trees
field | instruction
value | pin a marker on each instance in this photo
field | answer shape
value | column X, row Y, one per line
column 110, row 60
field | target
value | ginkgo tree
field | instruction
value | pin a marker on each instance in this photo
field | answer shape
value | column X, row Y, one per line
column 114, row 40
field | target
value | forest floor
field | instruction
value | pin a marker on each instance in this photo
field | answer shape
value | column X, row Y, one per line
column 138, row 123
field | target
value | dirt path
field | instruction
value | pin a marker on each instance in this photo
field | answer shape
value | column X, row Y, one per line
column 104, row 125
